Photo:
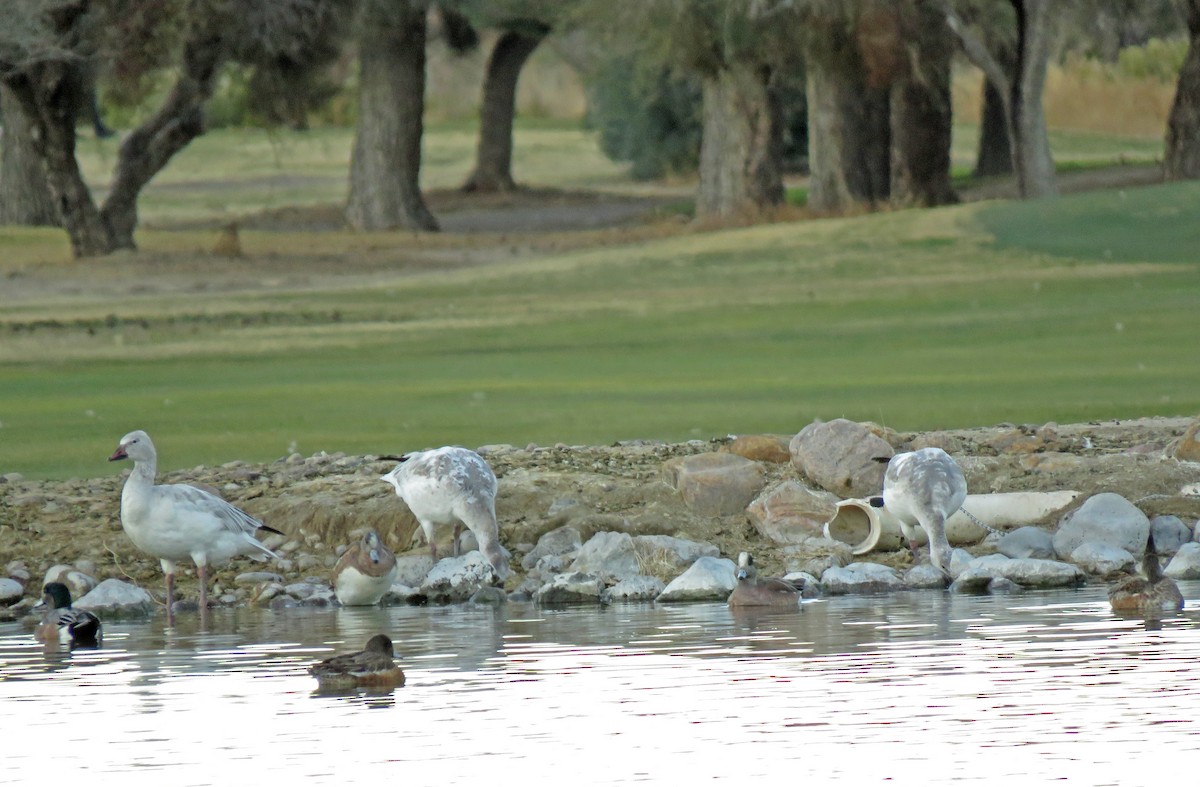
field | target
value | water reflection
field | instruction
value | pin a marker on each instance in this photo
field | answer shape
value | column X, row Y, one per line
column 911, row 687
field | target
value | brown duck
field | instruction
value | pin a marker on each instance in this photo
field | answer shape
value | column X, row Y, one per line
column 1153, row 593
column 754, row 592
column 371, row 667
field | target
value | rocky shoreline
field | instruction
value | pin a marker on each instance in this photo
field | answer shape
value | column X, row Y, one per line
column 628, row 520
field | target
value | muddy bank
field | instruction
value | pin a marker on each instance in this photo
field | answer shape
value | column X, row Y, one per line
column 321, row 500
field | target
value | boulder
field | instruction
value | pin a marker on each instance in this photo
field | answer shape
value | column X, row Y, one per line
column 809, row 585
column 715, row 484
column 576, row 587
column 670, row 554
column 1028, row 541
column 1102, row 559
column 1187, row 447
column 1170, row 533
column 760, row 448
column 560, row 541
column 1034, row 573
column 839, row 456
column 791, row 513
column 455, row 579
column 1106, row 518
column 411, row 570
column 640, row 588
column 924, row 577
column 11, row 591
column 1186, row 563
column 114, row 598
column 608, row 554
column 861, row 578
column 708, row 579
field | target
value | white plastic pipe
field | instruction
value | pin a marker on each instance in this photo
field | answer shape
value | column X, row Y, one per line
column 867, row 528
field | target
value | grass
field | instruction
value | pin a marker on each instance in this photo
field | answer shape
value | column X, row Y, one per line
column 1074, row 309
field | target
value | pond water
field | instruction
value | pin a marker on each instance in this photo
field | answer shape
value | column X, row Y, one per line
column 908, row 688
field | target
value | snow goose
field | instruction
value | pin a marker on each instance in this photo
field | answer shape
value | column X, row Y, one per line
column 923, row 489
column 754, row 592
column 62, row 623
column 372, row 667
column 452, row 486
column 364, row 572
column 1149, row 595
column 176, row 522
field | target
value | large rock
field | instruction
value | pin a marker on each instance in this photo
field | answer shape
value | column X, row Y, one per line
column 1028, row 541
column 924, row 576
column 708, row 579
column 760, row 448
column 1170, row 533
column 840, row 456
column 1187, row 447
column 11, row 591
column 670, row 554
column 574, row 588
column 456, row 579
column 1186, row 563
column 1028, row 572
column 411, row 570
column 1102, row 559
column 114, row 598
column 608, row 555
column 560, row 541
column 639, row 588
column 1106, row 518
column 861, row 578
column 715, row 484
column 791, row 513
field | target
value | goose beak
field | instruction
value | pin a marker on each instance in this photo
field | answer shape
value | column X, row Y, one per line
column 118, row 454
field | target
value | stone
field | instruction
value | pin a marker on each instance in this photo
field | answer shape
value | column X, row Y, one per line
column 760, row 448
column 1187, row 447
column 399, row 594
column 1028, row 541
column 489, row 596
column 925, row 576
column 839, row 456
column 809, row 585
column 715, row 484
column 79, row 583
column 1102, row 559
column 1186, row 563
column 708, row 579
column 559, row 541
column 1001, row 585
column 791, row 513
column 975, row 579
column 1032, row 572
column 1170, row 533
column 114, row 598
column 257, row 578
column 574, row 588
column 456, row 579
column 640, row 588
column 11, row 591
column 608, row 554
column 669, row 553
column 1106, row 518
column 861, row 578
column 411, row 570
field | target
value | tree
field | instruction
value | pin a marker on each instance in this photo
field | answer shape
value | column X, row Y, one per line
column 385, row 163
column 24, row 193
column 1182, row 154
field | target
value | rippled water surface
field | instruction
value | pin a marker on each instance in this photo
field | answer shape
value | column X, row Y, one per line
column 909, row 688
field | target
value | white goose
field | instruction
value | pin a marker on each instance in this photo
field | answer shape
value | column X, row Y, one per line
column 176, row 522
column 452, row 486
column 923, row 489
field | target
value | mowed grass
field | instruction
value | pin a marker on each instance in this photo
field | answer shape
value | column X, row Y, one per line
column 1084, row 307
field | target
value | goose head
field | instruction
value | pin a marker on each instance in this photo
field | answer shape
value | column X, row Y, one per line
column 136, row 446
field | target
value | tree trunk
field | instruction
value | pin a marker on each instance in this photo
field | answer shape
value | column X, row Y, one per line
column 741, row 147
column 493, row 160
column 25, row 197
column 385, row 164
column 995, row 148
column 1182, row 155
column 1031, row 143
column 848, row 137
column 921, row 114
column 148, row 148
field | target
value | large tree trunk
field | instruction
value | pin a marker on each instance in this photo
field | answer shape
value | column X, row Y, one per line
column 148, row 148
column 921, row 113
column 848, row 137
column 994, row 156
column 1182, row 154
column 493, row 160
column 25, row 197
column 385, row 164
column 741, row 147
column 1031, row 142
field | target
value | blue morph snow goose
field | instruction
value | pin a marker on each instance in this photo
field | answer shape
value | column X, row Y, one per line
column 924, row 488
column 174, row 522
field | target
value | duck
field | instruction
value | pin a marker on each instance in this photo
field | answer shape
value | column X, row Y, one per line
column 364, row 572
column 1154, row 593
column 63, row 624
column 371, row 667
column 175, row 522
column 754, row 592
column 923, row 489
column 452, row 486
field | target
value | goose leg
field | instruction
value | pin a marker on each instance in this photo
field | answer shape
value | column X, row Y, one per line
column 169, row 570
column 457, row 538
column 202, row 573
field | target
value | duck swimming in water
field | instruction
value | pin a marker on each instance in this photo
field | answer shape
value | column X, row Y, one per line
column 1154, row 593
column 371, row 667
column 754, row 592
column 63, row 624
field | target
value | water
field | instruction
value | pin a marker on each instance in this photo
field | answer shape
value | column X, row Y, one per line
column 910, row 688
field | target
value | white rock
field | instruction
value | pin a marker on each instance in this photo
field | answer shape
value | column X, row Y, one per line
column 608, row 554
column 455, row 579
column 640, row 588
column 115, row 598
column 860, row 578
column 1102, row 559
column 11, row 591
column 708, row 579
column 1106, row 518
column 1186, row 563
column 573, row 588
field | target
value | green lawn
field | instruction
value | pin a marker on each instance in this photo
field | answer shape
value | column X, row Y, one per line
column 1084, row 307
